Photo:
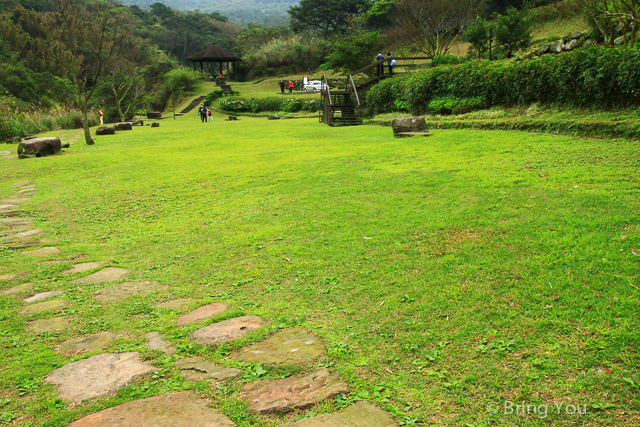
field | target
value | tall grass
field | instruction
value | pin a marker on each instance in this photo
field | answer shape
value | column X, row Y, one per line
column 290, row 51
column 14, row 122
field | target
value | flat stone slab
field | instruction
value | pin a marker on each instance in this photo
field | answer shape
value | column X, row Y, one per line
column 41, row 307
column 26, row 190
column 295, row 346
column 109, row 274
column 49, row 325
column 15, row 220
column 20, row 194
column 42, row 252
column 197, row 368
column 87, row 344
column 12, row 276
column 360, row 414
column 83, row 267
column 15, row 201
column 202, row 313
column 97, row 376
column 22, row 235
column 226, row 330
column 8, row 207
column 17, row 289
column 43, row 295
column 177, row 304
column 126, row 289
column 157, row 343
column 20, row 184
column 182, row 409
column 296, row 392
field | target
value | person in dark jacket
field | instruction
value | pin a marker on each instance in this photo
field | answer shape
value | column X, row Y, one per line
column 281, row 86
column 203, row 113
column 380, row 67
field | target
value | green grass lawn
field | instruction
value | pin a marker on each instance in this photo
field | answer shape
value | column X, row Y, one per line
column 443, row 273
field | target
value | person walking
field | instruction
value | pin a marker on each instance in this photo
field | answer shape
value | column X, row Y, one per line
column 281, row 86
column 101, row 116
column 290, row 86
column 380, row 67
column 203, row 113
column 391, row 62
column 210, row 116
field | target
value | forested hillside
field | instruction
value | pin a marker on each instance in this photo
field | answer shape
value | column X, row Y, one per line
column 263, row 12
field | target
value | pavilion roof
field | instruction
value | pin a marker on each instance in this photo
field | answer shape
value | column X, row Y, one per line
column 213, row 53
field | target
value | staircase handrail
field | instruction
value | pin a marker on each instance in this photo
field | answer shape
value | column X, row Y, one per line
column 375, row 64
column 351, row 85
column 326, row 93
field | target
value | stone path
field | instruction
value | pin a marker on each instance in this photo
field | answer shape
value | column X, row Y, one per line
column 97, row 376
column 296, row 392
column 202, row 313
column 183, row 409
column 104, row 374
column 126, row 289
column 109, row 274
column 226, row 330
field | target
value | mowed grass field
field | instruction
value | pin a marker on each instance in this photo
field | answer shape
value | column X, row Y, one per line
column 445, row 274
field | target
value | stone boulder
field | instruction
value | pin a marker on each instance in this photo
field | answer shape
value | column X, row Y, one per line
column 106, row 130
column 155, row 125
column 571, row 45
column 409, row 124
column 272, row 117
column 138, row 122
column 123, row 126
column 39, row 147
column 557, row 47
column 154, row 115
column 545, row 48
column 13, row 140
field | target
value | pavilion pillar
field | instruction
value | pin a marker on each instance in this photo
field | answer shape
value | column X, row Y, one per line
column 194, row 65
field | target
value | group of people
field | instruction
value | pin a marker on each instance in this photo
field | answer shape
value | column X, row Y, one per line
column 380, row 66
column 283, row 84
column 205, row 114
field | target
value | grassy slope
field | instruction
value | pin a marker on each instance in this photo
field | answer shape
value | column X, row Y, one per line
column 443, row 274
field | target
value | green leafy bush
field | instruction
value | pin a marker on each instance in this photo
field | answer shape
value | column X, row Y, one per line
column 590, row 76
column 260, row 105
column 446, row 60
column 212, row 96
column 467, row 105
column 443, row 105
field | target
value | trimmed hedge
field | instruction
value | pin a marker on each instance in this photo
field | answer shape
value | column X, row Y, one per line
column 254, row 105
column 591, row 76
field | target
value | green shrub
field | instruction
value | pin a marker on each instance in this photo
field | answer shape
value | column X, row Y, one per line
column 589, row 76
column 266, row 104
column 443, row 105
column 212, row 96
column 467, row 105
column 235, row 105
column 446, row 60
column 260, row 105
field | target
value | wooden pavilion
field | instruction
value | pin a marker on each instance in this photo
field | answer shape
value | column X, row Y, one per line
column 215, row 54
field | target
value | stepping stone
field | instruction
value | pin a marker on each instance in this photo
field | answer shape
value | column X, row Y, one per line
column 20, row 184
column 23, row 244
column 361, row 414
column 17, row 289
column 97, row 376
column 26, row 190
column 22, row 235
column 126, row 289
column 42, row 252
column 182, row 409
column 86, row 266
column 15, row 220
column 295, row 346
column 21, row 200
column 31, row 193
column 6, row 207
column 109, row 274
column 296, row 392
column 87, row 344
column 13, row 212
column 177, row 304
column 157, row 343
column 43, row 295
column 12, row 276
column 16, row 228
column 197, row 368
column 226, row 330
column 41, row 307
column 49, row 325
column 202, row 313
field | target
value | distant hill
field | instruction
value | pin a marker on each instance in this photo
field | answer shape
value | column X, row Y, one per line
column 263, row 12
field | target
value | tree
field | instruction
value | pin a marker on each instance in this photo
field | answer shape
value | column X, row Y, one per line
column 478, row 35
column 87, row 40
column 355, row 50
column 431, row 26
column 513, row 30
column 325, row 15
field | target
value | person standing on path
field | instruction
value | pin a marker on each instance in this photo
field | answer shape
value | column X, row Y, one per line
column 391, row 62
column 101, row 116
column 290, row 86
column 380, row 67
column 281, row 86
